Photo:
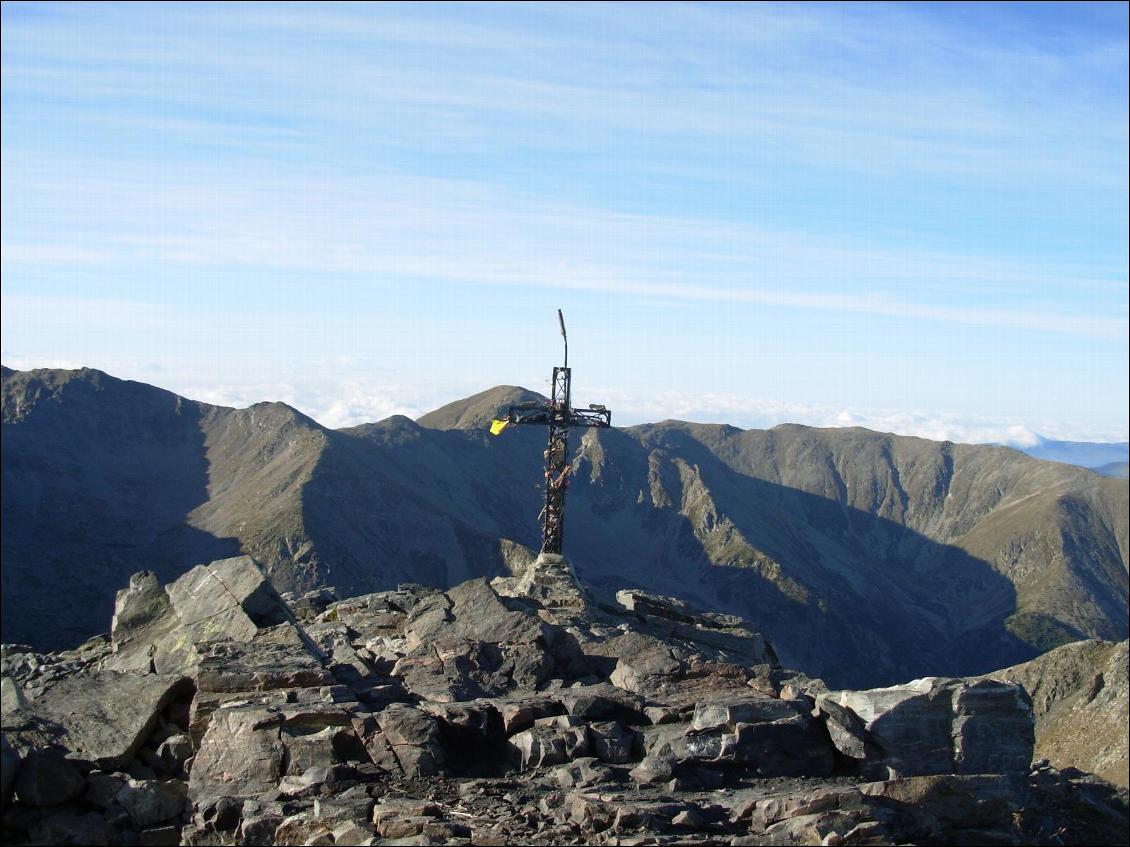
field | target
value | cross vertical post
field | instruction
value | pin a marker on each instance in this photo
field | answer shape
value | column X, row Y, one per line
column 559, row 415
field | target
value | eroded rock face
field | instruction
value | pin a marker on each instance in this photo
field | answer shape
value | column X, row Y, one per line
column 480, row 717
column 933, row 726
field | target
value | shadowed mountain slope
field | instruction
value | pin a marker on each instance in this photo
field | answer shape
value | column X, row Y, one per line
column 865, row 558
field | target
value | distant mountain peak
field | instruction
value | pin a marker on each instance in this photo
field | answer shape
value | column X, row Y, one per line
column 476, row 411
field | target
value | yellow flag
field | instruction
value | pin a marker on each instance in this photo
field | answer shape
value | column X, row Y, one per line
column 496, row 426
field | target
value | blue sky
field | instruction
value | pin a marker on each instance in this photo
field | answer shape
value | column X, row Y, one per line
column 907, row 217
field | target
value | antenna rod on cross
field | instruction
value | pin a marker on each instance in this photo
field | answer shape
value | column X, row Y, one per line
column 561, row 320
column 559, row 415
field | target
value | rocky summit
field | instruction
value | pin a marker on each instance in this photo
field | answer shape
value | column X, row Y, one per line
column 519, row 710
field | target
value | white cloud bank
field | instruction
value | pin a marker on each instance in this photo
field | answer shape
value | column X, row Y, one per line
column 348, row 396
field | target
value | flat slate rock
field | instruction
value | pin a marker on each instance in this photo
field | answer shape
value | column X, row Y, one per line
column 100, row 716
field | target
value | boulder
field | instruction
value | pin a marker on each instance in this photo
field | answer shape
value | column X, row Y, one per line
column 427, row 617
column 241, row 754
column 656, row 767
column 174, row 751
column 47, row 779
column 932, row 726
column 67, row 826
column 520, row 714
column 227, row 666
column 408, row 741
column 754, row 708
column 603, row 702
column 226, row 599
column 10, row 760
column 993, row 728
column 149, row 802
column 644, row 664
column 102, row 788
column 614, row 743
column 582, row 773
column 100, row 716
column 847, row 731
column 11, row 695
column 549, row 744
column 672, row 609
column 480, row 615
column 796, row 746
column 142, row 612
column 952, row 800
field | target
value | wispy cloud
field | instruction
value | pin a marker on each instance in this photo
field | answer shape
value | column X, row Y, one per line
column 460, row 231
column 919, row 172
column 799, row 86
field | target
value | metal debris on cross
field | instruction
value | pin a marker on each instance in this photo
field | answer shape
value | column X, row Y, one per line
column 559, row 415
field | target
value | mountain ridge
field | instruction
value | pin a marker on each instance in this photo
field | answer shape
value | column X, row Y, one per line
column 866, row 557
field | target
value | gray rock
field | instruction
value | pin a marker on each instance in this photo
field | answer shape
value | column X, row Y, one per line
column 11, row 695
column 10, row 760
column 654, row 768
column 174, row 752
column 544, row 745
column 142, row 612
column 46, row 779
column 753, row 708
column 993, row 728
column 149, row 802
column 911, row 725
column 796, row 746
column 934, row 726
column 614, row 743
column 227, row 666
column 408, row 741
column 336, row 810
column 226, row 599
column 351, row 832
column 102, row 788
column 763, row 812
column 582, row 773
column 302, row 829
column 644, row 665
column 846, row 730
column 953, row 801
column 67, row 826
column 520, row 714
column 240, row 754
column 603, row 701
column 259, row 827
column 480, row 615
column 99, row 716
column 426, row 618
column 672, row 609
column 657, row 715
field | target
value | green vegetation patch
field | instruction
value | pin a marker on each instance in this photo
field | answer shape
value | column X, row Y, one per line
column 1041, row 631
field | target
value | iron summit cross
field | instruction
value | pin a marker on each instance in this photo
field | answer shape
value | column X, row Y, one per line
column 559, row 415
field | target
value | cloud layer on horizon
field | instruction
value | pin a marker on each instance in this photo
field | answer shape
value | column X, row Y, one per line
column 347, row 397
